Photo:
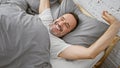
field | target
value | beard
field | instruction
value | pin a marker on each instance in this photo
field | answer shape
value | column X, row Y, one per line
column 53, row 30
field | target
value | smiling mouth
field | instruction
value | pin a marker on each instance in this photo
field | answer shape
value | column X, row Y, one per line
column 58, row 26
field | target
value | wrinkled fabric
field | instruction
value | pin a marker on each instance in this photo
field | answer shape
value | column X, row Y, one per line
column 24, row 41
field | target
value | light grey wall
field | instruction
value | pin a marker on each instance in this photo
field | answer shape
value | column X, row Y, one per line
column 96, row 7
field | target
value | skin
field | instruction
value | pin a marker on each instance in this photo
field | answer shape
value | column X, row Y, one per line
column 75, row 52
column 80, row 52
column 63, row 25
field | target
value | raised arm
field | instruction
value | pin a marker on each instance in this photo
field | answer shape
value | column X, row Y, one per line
column 80, row 52
column 44, row 4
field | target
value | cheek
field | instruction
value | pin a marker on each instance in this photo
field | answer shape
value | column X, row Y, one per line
column 53, row 29
column 66, row 31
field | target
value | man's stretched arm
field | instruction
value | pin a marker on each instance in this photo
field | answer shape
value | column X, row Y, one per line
column 80, row 52
column 44, row 4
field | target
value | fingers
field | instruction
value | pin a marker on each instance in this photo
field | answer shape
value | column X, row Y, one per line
column 104, row 16
column 108, row 17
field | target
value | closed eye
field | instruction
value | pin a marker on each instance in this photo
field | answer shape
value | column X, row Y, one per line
column 67, row 25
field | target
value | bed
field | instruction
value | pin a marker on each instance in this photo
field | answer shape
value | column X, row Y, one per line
column 19, row 17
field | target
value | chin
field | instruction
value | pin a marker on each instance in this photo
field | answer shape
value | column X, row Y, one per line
column 55, row 34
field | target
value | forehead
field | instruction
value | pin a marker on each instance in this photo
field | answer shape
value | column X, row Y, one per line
column 69, row 18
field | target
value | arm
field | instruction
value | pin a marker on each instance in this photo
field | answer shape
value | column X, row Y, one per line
column 44, row 4
column 79, row 52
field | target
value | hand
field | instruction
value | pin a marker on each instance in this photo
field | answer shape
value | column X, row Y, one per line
column 109, row 18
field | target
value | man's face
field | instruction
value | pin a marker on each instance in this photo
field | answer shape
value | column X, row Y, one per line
column 63, row 25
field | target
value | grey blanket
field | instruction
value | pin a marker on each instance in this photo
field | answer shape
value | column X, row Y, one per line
column 24, row 41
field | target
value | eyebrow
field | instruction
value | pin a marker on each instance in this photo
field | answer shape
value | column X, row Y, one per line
column 63, row 17
column 66, row 24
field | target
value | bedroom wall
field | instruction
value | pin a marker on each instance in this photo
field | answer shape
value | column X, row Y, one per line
column 95, row 7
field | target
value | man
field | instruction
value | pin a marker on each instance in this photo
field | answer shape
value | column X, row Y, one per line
column 60, row 48
column 59, row 28
column 64, row 25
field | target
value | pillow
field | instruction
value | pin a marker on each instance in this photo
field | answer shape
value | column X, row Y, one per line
column 88, row 30
column 86, row 33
